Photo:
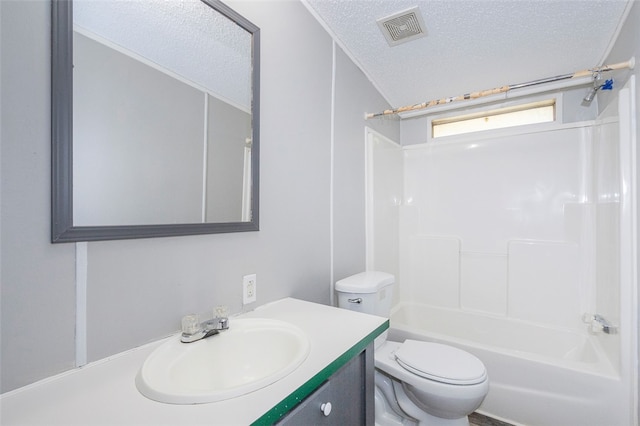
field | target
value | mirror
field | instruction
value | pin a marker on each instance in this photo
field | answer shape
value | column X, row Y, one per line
column 155, row 119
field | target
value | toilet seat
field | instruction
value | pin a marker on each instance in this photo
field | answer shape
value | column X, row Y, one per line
column 441, row 363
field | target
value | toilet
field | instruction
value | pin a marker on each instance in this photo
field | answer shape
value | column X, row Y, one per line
column 416, row 382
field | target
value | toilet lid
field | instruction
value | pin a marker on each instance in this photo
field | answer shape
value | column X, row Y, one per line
column 441, row 363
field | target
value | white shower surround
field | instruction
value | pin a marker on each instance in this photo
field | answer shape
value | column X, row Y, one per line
column 503, row 242
column 497, row 225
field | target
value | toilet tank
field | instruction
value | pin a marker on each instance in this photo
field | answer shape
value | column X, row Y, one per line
column 368, row 292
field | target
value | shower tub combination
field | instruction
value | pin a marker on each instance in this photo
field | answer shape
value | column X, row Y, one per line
column 502, row 243
column 538, row 375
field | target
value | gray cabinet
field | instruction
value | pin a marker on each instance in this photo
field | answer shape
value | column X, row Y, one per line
column 345, row 398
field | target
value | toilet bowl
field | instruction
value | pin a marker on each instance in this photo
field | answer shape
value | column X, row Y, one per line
column 416, row 382
column 453, row 385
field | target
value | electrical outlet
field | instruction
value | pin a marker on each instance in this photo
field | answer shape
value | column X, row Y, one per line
column 248, row 289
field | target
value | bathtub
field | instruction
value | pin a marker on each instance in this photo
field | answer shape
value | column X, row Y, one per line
column 538, row 375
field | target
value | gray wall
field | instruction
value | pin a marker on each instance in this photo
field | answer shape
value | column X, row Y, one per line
column 228, row 130
column 124, row 131
column 353, row 95
column 626, row 46
column 36, row 278
column 137, row 290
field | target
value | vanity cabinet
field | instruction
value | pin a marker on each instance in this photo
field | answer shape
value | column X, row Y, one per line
column 345, row 398
column 339, row 370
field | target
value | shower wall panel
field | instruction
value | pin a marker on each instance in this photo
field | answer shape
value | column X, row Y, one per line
column 500, row 225
column 433, row 260
column 606, row 195
column 384, row 162
column 544, row 283
column 485, row 282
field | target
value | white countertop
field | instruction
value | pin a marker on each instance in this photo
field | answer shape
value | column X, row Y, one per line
column 104, row 392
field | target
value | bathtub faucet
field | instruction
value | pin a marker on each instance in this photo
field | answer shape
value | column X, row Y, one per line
column 193, row 330
column 599, row 323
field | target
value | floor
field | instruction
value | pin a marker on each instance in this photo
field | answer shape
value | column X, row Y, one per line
column 477, row 419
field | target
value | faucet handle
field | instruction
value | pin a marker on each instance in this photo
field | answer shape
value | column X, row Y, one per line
column 588, row 318
column 190, row 324
column 597, row 323
column 221, row 311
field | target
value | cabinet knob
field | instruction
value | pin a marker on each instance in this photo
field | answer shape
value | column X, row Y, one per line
column 326, row 408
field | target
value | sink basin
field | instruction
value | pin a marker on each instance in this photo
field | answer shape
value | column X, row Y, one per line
column 251, row 354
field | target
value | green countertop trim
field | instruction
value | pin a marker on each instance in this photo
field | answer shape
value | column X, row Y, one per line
column 287, row 404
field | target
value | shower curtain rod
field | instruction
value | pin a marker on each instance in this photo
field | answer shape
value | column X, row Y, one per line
column 474, row 95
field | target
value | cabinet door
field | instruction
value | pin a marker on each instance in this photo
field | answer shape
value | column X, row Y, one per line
column 344, row 391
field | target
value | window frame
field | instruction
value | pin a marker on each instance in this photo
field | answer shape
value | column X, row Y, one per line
column 493, row 108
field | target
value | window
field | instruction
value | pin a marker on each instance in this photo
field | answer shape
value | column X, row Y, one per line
column 537, row 112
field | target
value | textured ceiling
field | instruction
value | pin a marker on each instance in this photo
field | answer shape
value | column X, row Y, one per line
column 187, row 38
column 472, row 44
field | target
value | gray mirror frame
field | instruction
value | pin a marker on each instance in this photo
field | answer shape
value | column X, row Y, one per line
column 62, row 228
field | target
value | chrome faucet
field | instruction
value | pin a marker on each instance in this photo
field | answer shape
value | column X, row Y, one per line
column 599, row 323
column 193, row 330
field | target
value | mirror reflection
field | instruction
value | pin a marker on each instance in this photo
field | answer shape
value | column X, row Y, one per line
column 161, row 125
column 164, row 117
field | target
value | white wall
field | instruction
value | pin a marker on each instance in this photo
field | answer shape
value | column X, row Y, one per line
column 137, row 290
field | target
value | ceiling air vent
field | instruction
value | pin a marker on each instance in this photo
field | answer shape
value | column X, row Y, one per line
column 403, row 26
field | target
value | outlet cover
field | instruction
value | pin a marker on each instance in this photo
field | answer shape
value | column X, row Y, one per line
column 249, row 289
